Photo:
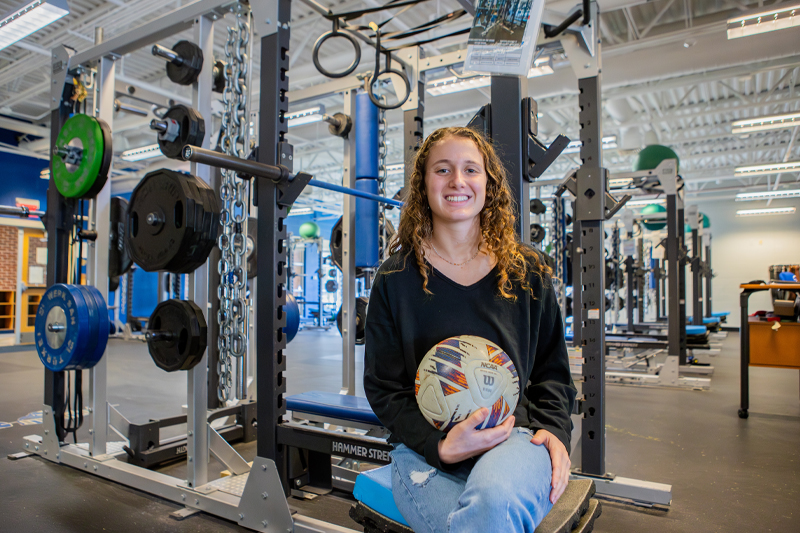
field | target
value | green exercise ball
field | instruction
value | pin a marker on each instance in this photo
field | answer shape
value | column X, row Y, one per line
column 706, row 224
column 651, row 209
column 651, row 156
column 309, row 230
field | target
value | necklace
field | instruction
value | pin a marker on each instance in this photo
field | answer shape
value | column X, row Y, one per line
column 450, row 262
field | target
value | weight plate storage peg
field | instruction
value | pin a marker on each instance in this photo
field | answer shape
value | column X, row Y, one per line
column 177, row 335
column 180, row 126
column 172, row 222
column 70, row 330
column 81, row 157
column 119, row 261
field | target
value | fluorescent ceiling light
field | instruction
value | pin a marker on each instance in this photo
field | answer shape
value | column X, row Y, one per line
column 297, row 211
column 306, row 116
column 574, row 147
column 764, row 21
column 541, row 67
column 762, row 170
column 636, row 203
column 766, row 211
column 776, row 122
column 145, row 152
column 30, row 18
column 766, row 195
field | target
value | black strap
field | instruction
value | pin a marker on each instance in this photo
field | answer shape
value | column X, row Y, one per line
column 350, row 15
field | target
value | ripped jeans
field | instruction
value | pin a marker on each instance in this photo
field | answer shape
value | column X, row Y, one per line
column 507, row 490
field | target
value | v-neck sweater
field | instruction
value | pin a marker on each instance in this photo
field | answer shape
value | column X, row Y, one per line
column 403, row 323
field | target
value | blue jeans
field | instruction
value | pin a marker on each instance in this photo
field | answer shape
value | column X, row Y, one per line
column 507, row 490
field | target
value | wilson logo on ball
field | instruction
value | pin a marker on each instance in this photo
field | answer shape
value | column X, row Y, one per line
column 462, row 374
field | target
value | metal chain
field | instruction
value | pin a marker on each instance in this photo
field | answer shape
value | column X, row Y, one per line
column 383, row 149
column 233, row 315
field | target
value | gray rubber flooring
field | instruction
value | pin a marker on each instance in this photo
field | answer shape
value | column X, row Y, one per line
column 727, row 474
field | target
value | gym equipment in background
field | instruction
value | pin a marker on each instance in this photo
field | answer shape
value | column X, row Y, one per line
column 177, row 335
column 71, row 328
column 81, row 157
column 172, row 224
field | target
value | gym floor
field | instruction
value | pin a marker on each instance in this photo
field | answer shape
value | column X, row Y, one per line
column 727, row 474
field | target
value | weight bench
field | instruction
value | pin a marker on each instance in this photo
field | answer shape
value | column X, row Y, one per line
column 375, row 510
column 710, row 322
column 575, row 511
column 722, row 316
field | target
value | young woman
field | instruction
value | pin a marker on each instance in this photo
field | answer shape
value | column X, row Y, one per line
column 457, row 269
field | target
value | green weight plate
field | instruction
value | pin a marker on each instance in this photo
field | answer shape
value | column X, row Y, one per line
column 105, row 165
column 86, row 133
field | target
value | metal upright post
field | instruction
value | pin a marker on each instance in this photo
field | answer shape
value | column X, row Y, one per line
column 640, row 285
column 709, row 274
column 197, row 440
column 697, row 289
column 348, row 254
column 272, row 236
column 98, row 256
column 510, row 139
column 413, row 113
column 589, row 253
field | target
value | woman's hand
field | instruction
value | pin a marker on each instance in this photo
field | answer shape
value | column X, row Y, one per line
column 464, row 441
column 559, row 459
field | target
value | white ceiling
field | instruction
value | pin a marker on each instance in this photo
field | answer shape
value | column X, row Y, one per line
column 669, row 76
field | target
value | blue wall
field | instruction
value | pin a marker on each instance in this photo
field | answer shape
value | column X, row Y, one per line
column 20, row 179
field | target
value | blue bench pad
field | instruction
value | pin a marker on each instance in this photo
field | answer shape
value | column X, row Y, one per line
column 374, row 489
column 720, row 314
column 696, row 330
column 332, row 405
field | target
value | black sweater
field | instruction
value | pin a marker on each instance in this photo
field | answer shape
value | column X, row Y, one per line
column 403, row 323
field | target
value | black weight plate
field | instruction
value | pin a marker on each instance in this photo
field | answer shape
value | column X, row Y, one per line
column 191, row 130
column 187, row 73
column 537, row 233
column 252, row 247
column 202, row 219
column 361, row 319
column 187, row 332
column 171, row 242
column 332, row 273
column 105, row 165
column 538, row 207
column 336, row 244
column 331, row 285
column 119, row 261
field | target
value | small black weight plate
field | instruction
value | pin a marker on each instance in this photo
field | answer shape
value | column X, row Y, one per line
column 177, row 335
column 119, row 261
column 160, row 228
column 336, row 244
column 538, row 207
column 332, row 272
column 537, row 233
column 218, row 77
column 252, row 247
column 187, row 73
column 191, row 131
column 331, row 285
column 361, row 319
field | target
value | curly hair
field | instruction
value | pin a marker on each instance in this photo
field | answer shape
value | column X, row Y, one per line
column 497, row 221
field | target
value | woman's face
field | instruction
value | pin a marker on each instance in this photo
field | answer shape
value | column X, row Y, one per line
column 455, row 180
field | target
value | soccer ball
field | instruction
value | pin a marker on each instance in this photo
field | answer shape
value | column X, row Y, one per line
column 462, row 374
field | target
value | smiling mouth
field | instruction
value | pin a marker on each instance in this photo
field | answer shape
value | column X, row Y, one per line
column 456, row 199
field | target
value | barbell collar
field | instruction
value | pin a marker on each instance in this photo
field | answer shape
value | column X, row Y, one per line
column 166, row 53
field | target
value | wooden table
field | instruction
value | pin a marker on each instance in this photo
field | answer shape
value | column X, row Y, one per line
column 744, row 336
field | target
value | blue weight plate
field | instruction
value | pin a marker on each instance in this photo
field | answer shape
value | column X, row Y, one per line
column 62, row 351
column 91, row 344
column 103, row 325
column 87, row 336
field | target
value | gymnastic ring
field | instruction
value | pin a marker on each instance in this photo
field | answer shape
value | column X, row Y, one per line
column 400, row 102
column 324, row 37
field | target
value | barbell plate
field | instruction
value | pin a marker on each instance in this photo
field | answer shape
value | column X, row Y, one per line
column 86, row 133
column 103, row 326
column 331, row 286
column 105, row 165
column 119, row 260
column 192, row 131
column 91, row 308
column 188, row 72
column 361, row 319
column 61, row 305
column 185, row 321
column 184, row 232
